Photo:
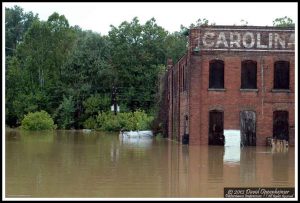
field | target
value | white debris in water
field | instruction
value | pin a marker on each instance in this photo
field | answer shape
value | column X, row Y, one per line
column 144, row 142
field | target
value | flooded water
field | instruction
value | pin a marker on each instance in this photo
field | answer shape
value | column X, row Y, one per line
column 77, row 164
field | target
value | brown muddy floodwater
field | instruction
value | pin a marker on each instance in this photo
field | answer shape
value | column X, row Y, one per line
column 77, row 164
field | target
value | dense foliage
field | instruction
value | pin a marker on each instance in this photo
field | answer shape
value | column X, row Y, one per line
column 38, row 121
column 70, row 73
column 137, row 120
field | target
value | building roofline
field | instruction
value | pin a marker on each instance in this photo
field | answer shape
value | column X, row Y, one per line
column 181, row 58
column 242, row 27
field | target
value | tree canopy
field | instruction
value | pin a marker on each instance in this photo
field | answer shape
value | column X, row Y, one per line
column 69, row 72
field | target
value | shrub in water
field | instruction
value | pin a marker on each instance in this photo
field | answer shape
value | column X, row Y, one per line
column 90, row 123
column 137, row 120
column 38, row 121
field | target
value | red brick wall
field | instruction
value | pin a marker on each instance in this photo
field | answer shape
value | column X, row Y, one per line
column 233, row 100
column 197, row 100
column 178, row 99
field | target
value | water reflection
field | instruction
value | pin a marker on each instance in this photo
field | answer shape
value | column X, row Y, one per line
column 184, row 185
column 114, row 152
column 13, row 135
column 74, row 164
column 248, row 165
column 232, row 155
column 215, row 163
column 280, row 167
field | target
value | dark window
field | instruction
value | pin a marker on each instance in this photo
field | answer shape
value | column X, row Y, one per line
column 281, row 125
column 281, row 75
column 248, row 75
column 216, row 74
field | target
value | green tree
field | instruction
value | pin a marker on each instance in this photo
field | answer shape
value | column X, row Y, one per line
column 203, row 21
column 199, row 22
column 283, row 22
column 87, row 71
column 96, row 103
column 45, row 48
column 137, row 51
column 176, row 45
column 14, row 82
column 20, row 99
column 17, row 22
column 65, row 113
column 52, row 59
column 33, row 75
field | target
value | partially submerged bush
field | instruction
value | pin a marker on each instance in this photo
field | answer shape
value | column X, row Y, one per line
column 137, row 120
column 90, row 123
column 38, row 121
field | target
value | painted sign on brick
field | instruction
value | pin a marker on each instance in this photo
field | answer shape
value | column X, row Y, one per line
column 235, row 39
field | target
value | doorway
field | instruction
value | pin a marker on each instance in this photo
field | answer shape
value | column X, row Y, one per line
column 216, row 128
column 281, row 125
column 248, row 128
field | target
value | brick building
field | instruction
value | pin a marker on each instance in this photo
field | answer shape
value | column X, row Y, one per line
column 233, row 78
